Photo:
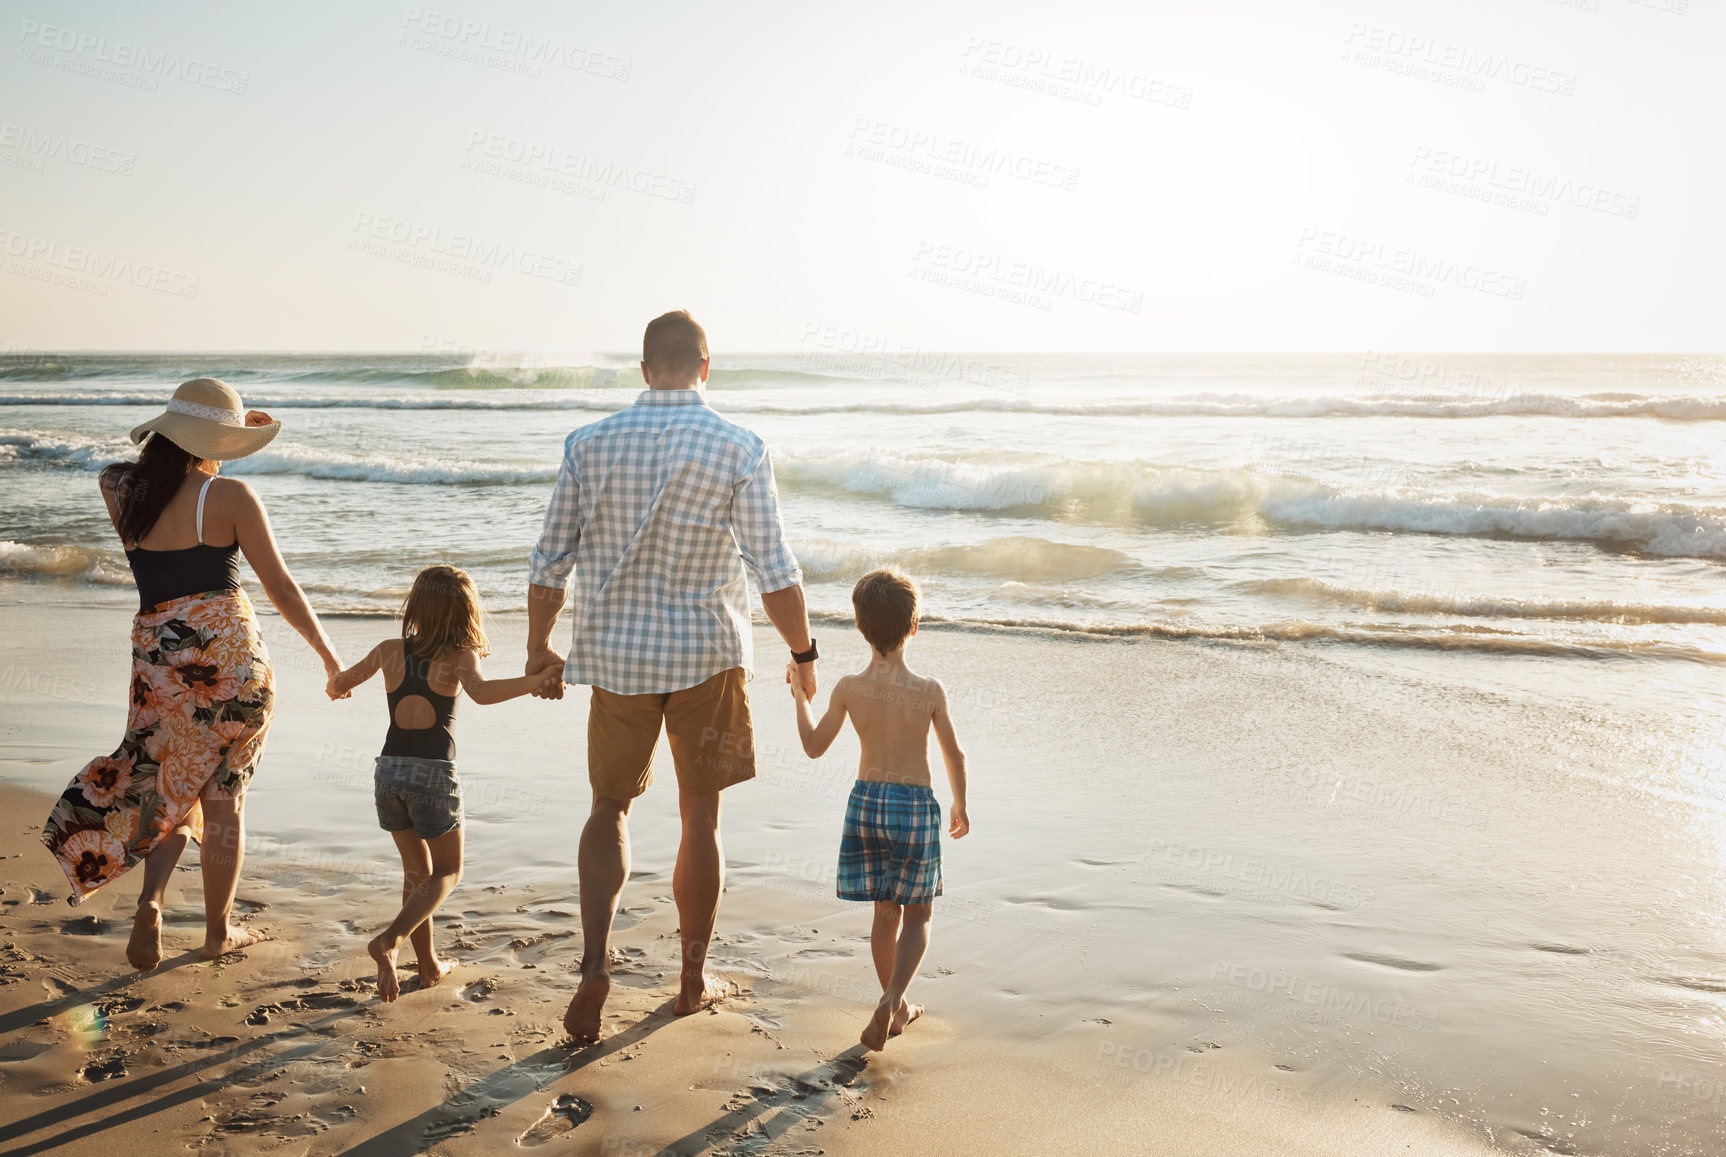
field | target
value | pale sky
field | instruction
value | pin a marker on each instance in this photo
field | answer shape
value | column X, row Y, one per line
column 1271, row 175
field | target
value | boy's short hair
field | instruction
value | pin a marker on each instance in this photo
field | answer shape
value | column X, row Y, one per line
column 886, row 606
column 674, row 344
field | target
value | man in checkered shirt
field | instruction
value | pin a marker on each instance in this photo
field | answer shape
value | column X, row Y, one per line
column 657, row 511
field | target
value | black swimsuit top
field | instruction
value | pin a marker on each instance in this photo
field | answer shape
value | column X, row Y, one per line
column 434, row 742
column 164, row 575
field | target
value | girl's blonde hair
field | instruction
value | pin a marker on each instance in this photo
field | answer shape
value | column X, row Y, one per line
column 442, row 611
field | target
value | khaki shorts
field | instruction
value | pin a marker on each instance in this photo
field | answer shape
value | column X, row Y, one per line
column 712, row 739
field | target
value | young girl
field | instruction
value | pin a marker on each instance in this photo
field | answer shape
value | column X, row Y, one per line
column 418, row 794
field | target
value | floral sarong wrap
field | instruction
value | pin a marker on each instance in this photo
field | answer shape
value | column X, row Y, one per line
column 201, row 699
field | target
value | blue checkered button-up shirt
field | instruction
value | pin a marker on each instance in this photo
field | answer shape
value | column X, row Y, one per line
column 656, row 511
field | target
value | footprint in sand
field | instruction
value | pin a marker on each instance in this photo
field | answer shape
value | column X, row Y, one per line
column 560, row 1117
column 479, row 990
column 114, row 1066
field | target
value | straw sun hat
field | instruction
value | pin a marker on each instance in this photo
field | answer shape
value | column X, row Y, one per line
column 205, row 419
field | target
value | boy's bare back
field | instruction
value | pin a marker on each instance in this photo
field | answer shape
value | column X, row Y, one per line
column 892, row 709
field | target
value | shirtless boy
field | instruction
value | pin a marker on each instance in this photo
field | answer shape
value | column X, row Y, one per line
column 890, row 852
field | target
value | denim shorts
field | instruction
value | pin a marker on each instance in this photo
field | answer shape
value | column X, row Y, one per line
column 422, row 794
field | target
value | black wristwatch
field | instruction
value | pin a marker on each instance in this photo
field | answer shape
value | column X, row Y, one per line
column 808, row 656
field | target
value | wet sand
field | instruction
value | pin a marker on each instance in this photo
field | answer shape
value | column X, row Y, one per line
column 1138, row 951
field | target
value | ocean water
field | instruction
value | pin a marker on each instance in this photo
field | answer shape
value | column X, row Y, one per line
column 1552, row 505
column 1425, row 787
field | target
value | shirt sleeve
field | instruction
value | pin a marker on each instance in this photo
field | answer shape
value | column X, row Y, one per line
column 760, row 532
column 554, row 555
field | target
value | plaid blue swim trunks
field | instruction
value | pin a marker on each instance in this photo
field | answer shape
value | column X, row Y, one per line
column 891, row 846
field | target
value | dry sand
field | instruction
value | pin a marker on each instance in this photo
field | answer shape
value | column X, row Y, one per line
column 284, row 1047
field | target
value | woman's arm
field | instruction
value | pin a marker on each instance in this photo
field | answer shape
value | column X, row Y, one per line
column 817, row 737
column 482, row 690
column 258, row 543
column 342, row 684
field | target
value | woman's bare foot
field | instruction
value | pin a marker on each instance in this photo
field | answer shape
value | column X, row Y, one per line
column 431, row 974
column 388, row 986
column 144, row 949
column 907, row 1013
column 582, row 1019
column 879, row 1028
column 701, row 992
column 233, row 940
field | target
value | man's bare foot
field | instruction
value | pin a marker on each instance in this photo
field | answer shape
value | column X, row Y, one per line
column 144, row 949
column 235, row 939
column 388, row 986
column 876, row 1032
column 431, row 974
column 701, row 992
column 582, row 1019
column 907, row 1013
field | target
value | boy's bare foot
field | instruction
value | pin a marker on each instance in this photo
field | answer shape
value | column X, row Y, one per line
column 701, row 992
column 434, row 972
column 582, row 1019
column 907, row 1013
column 388, row 986
column 144, row 949
column 876, row 1032
column 233, row 940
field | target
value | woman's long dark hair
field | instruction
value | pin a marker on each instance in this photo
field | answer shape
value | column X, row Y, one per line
column 143, row 489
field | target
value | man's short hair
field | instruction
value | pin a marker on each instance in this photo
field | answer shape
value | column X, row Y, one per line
column 674, row 344
column 886, row 606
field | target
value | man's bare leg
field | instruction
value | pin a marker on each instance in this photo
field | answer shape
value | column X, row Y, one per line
column 602, row 865
column 696, row 883
column 430, row 871
column 144, row 949
column 894, row 1009
column 222, row 852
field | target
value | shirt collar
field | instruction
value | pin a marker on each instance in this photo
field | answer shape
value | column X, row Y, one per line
column 651, row 397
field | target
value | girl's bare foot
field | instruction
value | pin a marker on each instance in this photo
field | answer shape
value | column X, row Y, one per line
column 234, row 939
column 388, row 986
column 907, row 1013
column 144, row 949
column 701, row 992
column 582, row 1019
column 431, row 974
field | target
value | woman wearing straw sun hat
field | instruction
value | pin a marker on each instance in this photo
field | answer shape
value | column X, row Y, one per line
column 202, row 688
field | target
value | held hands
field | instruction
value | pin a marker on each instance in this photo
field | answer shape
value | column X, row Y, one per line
column 549, row 663
column 801, row 676
column 958, row 823
column 333, row 679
